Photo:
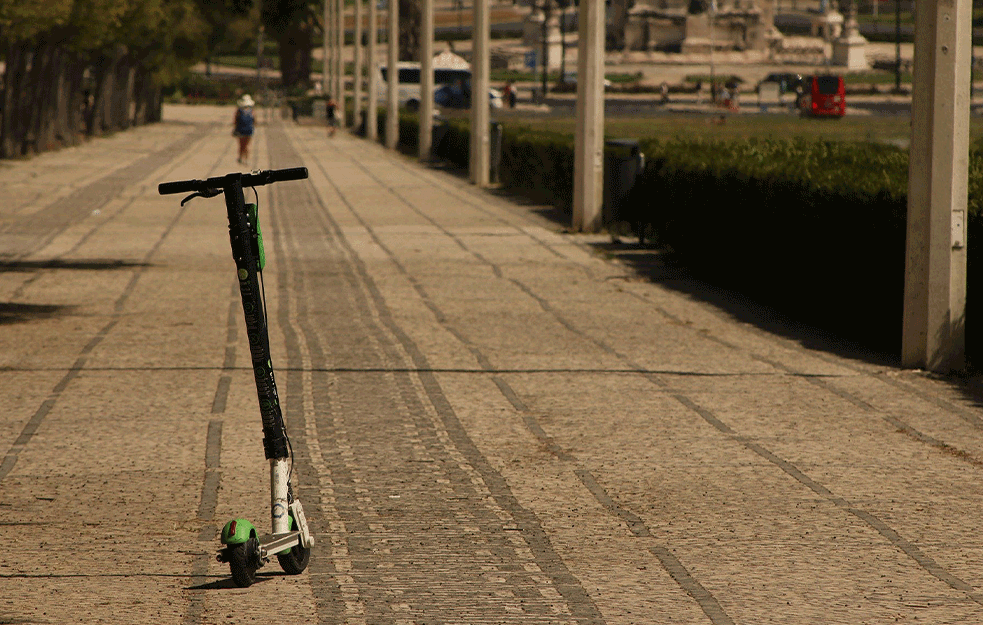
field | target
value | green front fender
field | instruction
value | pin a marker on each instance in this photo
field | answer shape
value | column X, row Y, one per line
column 237, row 531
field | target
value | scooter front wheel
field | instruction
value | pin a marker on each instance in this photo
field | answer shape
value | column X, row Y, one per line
column 295, row 561
column 243, row 562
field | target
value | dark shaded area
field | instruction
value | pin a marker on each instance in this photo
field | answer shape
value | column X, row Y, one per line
column 14, row 312
column 78, row 264
column 228, row 583
column 11, row 313
column 661, row 267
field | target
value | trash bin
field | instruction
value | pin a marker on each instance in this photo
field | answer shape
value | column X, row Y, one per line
column 495, row 149
column 623, row 163
column 437, row 134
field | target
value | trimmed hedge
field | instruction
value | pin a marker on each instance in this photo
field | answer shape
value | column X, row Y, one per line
column 815, row 230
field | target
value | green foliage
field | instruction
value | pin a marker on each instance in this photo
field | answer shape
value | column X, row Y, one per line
column 815, row 229
column 26, row 19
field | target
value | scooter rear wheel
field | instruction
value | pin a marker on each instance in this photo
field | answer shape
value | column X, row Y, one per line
column 243, row 562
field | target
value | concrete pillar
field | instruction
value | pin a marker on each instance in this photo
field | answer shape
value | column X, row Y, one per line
column 426, row 78
column 325, row 84
column 340, row 64
column 359, row 67
column 329, row 50
column 392, row 77
column 480, row 70
column 588, row 167
column 372, row 105
column 935, row 270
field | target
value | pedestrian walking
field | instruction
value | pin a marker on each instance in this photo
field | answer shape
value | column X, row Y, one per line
column 508, row 95
column 332, row 110
column 244, row 125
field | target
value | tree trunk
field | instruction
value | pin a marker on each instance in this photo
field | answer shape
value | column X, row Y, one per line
column 409, row 30
column 11, row 124
column 295, row 56
column 104, row 71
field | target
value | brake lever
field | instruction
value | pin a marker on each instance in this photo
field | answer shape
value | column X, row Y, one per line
column 206, row 193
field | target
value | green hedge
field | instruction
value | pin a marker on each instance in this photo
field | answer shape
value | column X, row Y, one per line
column 816, row 230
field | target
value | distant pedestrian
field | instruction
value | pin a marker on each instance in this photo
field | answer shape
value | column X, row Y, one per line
column 508, row 95
column 244, row 125
column 664, row 92
column 332, row 110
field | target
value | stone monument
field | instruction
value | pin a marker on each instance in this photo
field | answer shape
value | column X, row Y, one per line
column 850, row 48
column 693, row 26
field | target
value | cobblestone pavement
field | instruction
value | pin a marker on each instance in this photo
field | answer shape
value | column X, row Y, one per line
column 493, row 421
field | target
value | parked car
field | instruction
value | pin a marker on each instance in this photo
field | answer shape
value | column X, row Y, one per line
column 448, row 84
column 457, row 95
column 571, row 78
column 787, row 82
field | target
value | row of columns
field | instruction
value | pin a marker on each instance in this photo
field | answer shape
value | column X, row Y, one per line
column 588, row 192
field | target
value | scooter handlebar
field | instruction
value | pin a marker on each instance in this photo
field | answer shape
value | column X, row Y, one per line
column 256, row 179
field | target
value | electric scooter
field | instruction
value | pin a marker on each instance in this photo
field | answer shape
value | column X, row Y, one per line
column 290, row 540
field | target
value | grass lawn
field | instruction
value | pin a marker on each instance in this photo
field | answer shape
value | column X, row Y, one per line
column 881, row 129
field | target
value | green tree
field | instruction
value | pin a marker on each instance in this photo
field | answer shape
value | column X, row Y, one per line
column 76, row 67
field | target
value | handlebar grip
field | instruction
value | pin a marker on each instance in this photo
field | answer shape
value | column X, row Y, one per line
column 181, row 186
column 292, row 173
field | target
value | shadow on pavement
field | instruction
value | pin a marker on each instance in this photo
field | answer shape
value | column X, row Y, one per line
column 77, row 264
column 227, row 583
column 656, row 265
column 11, row 312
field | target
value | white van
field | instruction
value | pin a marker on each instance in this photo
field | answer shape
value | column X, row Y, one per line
column 445, row 80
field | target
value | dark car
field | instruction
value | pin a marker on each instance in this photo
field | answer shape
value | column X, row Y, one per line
column 787, row 83
column 457, row 95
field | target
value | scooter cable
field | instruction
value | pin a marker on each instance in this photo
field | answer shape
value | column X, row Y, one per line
column 262, row 293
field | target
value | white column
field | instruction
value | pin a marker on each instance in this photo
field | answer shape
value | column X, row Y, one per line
column 588, row 167
column 426, row 78
column 935, row 271
column 329, row 49
column 359, row 67
column 340, row 66
column 480, row 118
column 325, row 84
column 392, row 74
column 372, row 110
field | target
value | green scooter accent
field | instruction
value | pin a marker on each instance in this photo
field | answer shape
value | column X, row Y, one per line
column 237, row 531
column 293, row 526
column 252, row 212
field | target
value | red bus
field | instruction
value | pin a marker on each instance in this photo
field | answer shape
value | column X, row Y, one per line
column 826, row 96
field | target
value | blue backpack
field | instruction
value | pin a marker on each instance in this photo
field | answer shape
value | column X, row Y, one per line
column 244, row 122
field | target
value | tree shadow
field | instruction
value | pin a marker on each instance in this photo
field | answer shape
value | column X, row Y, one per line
column 94, row 264
column 11, row 312
column 15, row 312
